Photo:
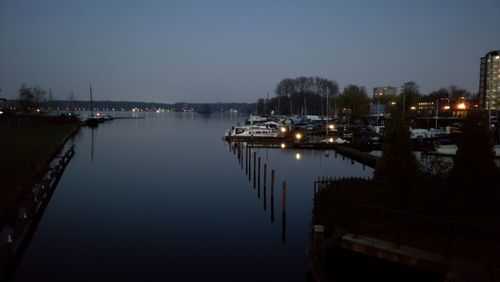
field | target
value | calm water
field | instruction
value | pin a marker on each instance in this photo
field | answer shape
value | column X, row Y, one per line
column 163, row 198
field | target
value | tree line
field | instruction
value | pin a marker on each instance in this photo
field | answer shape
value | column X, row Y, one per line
column 319, row 96
column 33, row 98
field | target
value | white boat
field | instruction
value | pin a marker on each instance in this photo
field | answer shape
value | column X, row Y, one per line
column 334, row 140
column 252, row 131
column 451, row 150
column 256, row 119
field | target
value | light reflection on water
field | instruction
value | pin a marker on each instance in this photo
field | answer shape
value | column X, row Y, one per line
column 165, row 198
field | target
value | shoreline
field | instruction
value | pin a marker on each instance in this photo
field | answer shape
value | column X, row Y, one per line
column 32, row 206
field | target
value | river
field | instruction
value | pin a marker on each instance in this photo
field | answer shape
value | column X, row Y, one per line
column 164, row 198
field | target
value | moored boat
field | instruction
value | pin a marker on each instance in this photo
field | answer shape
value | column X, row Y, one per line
column 451, row 150
column 252, row 131
column 92, row 120
column 253, row 119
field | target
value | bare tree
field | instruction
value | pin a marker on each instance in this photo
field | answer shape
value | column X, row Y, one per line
column 31, row 97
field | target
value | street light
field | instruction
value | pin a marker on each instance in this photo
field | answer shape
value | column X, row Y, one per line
column 298, row 136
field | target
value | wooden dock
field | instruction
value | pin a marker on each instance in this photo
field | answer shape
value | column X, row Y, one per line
column 356, row 155
column 436, row 247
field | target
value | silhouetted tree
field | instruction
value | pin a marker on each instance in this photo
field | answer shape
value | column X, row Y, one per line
column 474, row 175
column 303, row 95
column 452, row 93
column 355, row 100
column 204, row 109
column 397, row 169
column 409, row 97
column 30, row 97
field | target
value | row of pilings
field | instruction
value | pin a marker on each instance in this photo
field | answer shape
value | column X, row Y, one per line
column 256, row 170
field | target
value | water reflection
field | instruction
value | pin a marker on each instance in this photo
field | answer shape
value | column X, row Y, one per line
column 253, row 162
column 161, row 199
column 92, row 129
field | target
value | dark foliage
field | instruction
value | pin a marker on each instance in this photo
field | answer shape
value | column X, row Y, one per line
column 474, row 177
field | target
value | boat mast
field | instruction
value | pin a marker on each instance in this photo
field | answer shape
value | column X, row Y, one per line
column 327, row 112
column 91, row 102
column 437, row 108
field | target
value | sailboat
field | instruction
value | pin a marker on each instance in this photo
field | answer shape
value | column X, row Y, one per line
column 92, row 120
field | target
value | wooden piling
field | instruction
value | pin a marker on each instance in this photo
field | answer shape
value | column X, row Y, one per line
column 318, row 239
column 272, row 196
column 283, row 213
column 265, row 181
column 258, row 181
column 238, row 149
column 254, row 169
column 249, row 164
column 241, row 158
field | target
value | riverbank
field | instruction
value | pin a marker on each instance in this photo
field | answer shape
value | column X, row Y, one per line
column 25, row 153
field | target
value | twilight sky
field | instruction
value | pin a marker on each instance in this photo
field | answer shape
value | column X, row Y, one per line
column 237, row 51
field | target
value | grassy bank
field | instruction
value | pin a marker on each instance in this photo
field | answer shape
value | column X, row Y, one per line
column 25, row 152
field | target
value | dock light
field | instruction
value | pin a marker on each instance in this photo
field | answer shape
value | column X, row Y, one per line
column 446, row 107
column 283, row 146
column 461, row 106
column 1, row 112
column 393, row 103
column 298, row 156
column 413, row 108
column 298, row 136
column 283, row 129
column 330, row 140
column 331, row 126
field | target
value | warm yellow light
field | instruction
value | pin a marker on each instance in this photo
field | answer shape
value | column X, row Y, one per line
column 283, row 129
column 298, row 156
column 283, row 146
column 413, row 108
column 298, row 136
column 331, row 126
column 446, row 107
column 461, row 106
column 393, row 103
column 330, row 140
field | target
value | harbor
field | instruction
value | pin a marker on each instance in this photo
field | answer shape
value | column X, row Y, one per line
column 168, row 208
column 375, row 234
column 266, row 165
column 250, row 141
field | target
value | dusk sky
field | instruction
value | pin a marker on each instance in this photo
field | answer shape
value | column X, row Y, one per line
column 237, row 51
